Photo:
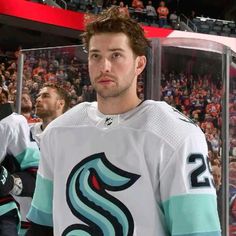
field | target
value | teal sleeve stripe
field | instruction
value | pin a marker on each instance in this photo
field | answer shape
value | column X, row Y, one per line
column 40, row 217
column 7, row 207
column 192, row 214
column 41, row 207
column 216, row 233
column 22, row 232
column 29, row 158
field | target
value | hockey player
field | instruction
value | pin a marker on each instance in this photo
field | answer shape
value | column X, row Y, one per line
column 121, row 166
column 18, row 165
column 52, row 101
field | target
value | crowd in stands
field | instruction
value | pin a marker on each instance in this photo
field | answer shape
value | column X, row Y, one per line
column 215, row 26
column 199, row 97
column 148, row 13
column 157, row 14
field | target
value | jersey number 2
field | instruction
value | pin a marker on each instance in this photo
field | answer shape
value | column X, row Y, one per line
column 204, row 167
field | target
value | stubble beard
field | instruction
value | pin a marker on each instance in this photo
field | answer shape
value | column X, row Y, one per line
column 110, row 91
column 115, row 91
column 43, row 114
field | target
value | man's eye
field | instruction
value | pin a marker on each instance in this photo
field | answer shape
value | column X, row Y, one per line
column 45, row 95
column 94, row 56
column 116, row 54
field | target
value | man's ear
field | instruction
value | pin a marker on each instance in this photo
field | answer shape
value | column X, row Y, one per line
column 141, row 63
column 61, row 103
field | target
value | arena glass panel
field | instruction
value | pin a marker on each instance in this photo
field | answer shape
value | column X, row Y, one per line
column 197, row 66
column 232, row 145
column 192, row 78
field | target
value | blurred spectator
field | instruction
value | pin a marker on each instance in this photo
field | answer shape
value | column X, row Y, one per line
column 27, row 109
column 97, row 6
column 123, row 9
column 3, row 96
column 163, row 13
column 7, row 77
column 151, row 13
column 192, row 15
column 174, row 20
column 114, row 3
column 78, row 4
column 138, row 9
column 89, row 93
column 213, row 108
column 216, row 172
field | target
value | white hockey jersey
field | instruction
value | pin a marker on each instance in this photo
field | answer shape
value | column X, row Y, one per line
column 15, row 141
column 36, row 132
column 141, row 173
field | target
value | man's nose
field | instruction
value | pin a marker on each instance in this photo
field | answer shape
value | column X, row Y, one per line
column 38, row 99
column 105, row 65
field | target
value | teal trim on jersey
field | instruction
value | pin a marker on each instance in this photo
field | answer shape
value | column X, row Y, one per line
column 41, row 207
column 192, row 214
column 216, row 233
column 22, row 232
column 28, row 158
column 8, row 207
column 40, row 217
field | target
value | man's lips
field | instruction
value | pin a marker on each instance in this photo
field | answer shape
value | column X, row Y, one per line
column 105, row 81
column 38, row 107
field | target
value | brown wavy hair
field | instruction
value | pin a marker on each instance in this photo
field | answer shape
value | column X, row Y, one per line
column 112, row 21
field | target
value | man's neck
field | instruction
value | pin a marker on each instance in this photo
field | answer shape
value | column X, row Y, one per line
column 46, row 121
column 117, row 106
column 27, row 115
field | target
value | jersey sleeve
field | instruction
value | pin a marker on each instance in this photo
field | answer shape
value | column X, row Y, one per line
column 187, row 190
column 18, row 155
column 15, row 140
column 4, row 140
column 41, row 207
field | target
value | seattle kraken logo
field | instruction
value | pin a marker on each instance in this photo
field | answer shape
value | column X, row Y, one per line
column 86, row 195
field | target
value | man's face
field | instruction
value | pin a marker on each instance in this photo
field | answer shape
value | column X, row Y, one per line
column 216, row 173
column 113, row 67
column 26, row 104
column 47, row 102
column 3, row 98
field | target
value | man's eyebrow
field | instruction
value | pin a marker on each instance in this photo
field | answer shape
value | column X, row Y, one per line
column 112, row 50
column 42, row 93
column 94, row 50
column 116, row 49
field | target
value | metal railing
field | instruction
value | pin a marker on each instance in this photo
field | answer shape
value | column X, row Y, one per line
column 61, row 3
column 51, row 3
column 190, row 25
column 56, row 3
